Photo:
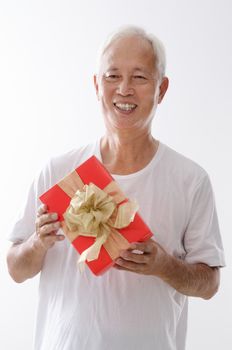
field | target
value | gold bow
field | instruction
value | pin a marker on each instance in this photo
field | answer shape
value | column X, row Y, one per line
column 94, row 213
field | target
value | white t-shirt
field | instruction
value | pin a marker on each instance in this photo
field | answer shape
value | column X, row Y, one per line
column 124, row 310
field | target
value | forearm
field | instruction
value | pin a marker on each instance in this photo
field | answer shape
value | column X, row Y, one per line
column 25, row 259
column 197, row 280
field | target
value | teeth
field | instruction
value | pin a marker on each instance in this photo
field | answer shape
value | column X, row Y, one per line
column 125, row 106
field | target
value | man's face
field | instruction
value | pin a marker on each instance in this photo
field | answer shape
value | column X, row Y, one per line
column 128, row 85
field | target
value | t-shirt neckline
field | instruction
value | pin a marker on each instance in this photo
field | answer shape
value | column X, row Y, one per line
column 153, row 162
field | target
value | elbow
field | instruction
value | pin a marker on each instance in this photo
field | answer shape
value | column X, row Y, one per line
column 214, row 285
column 12, row 269
column 16, row 278
column 211, row 293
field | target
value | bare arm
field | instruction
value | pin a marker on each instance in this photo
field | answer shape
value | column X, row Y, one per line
column 26, row 259
column 198, row 280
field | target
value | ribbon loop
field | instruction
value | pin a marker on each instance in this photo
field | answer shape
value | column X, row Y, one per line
column 94, row 213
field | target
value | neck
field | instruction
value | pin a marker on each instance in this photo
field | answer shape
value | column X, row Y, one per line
column 126, row 154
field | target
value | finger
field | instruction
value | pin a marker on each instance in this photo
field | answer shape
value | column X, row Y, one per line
column 49, row 228
column 144, row 247
column 42, row 209
column 46, row 218
column 129, row 265
column 137, row 258
column 117, row 267
column 49, row 240
column 53, row 238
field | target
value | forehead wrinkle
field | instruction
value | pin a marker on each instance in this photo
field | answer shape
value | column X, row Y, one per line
column 112, row 69
column 118, row 56
column 139, row 70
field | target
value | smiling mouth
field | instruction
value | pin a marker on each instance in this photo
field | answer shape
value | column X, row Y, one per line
column 125, row 107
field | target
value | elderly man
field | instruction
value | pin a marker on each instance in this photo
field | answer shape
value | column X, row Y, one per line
column 142, row 302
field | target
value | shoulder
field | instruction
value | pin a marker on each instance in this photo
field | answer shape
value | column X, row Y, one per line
column 68, row 161
column 180, row 163
column 59, row 166
column 183, row 169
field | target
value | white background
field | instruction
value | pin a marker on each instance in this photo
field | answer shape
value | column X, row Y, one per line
column 48, row 106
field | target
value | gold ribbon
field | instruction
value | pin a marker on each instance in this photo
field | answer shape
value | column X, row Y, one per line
column 96, row 213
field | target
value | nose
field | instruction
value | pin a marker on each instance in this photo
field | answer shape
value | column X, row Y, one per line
column 125, row 87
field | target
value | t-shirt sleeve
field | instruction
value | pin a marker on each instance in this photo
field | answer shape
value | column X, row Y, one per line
column 24, row 223
column 202, row 239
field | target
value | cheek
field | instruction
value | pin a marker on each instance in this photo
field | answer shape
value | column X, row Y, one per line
column 148, row 100
column 105, row 100
column 148, row 93
column 151, row 97
column 107, row 97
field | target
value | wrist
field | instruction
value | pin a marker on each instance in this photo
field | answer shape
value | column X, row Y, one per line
column 166, row 267
column 37, row 244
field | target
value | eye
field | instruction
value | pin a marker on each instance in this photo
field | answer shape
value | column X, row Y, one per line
column 139, row 77
column 112, row 77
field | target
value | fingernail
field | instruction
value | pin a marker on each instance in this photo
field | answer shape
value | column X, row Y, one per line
column 54, row 216
column 118, row 261
column 133, row 246
column 123, row 253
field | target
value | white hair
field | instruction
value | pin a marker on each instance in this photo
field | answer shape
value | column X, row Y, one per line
column 157, row 45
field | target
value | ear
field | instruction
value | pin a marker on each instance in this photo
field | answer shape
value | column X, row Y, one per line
column 96, row 85
column 163, row 88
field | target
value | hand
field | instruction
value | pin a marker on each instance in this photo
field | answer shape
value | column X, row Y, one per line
column 152, row 260
column 47, row 227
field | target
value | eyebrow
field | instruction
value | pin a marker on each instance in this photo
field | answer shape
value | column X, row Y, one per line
column 143, row 70
column 112, row 69
column 140, row 69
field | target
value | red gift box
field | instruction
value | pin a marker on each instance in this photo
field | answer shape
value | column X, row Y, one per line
column 58, row 199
